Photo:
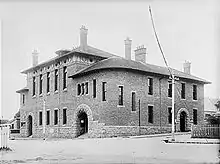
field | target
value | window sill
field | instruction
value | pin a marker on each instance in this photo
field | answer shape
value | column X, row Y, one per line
column 34, row 96
column 195, row 100
column 183, row 98
column 56, row 91
column 48, row 93
column 65, row 90
column 120, row 106
column 41, row 95
column 134, row 111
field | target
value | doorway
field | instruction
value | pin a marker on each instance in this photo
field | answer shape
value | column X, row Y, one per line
column 83, row 123
column 183, row 121
column 30, row 125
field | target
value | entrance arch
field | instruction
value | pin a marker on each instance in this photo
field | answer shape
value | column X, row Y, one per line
column 183, row 122
column 82, row 119
column 29, row 126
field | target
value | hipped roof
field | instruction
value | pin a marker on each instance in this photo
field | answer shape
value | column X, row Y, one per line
column 121, row 63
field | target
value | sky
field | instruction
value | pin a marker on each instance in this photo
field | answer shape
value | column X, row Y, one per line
column 187, row 30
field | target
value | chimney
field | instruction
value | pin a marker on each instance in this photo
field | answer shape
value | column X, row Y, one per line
column 83, row 38
column 186, row 67
column 140, row 54
column 128, row 48
column 35, row 57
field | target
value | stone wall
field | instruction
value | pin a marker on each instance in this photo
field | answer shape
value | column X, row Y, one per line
column 107, row 118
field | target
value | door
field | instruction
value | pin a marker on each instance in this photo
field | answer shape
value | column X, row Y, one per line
column 30, row 124
column 183, row 121
column 83, row 122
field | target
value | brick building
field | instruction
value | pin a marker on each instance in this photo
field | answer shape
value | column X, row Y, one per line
column 87, row 90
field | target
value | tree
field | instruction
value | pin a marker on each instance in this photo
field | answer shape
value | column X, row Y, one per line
column 217, row 104
column 213, row 120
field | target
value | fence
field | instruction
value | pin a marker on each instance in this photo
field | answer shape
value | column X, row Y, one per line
column 206, row 131
column 4, row 135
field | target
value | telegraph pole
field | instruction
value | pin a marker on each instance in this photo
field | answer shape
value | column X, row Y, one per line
column 171, row 74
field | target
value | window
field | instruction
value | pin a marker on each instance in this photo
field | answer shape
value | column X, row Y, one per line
column 56, row 80
column 41, row 84
column 23, row 99
column 195, row 116
column 64, row 77
column 34, row 84
column 133, row 101
column 169, row 89
column 83, row 88
column 55, row 117
column 183, row 91
column 169, row 115
column 78, row 89
column 48, row 117
column 150, row 114
column 87, row 88
column 150, row 86
column 40, row 117
column 194, row 92
column 103, row 91
column 120, row 97
column 94, row 88
column 64, row 116
column 48, row 82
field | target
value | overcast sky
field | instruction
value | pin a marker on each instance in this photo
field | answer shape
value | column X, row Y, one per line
column 187, row 31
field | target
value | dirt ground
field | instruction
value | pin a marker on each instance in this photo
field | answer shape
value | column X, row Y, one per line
column 108, row 150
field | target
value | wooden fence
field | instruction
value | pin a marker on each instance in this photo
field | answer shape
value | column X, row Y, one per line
column 4, row 135
column 206, row 131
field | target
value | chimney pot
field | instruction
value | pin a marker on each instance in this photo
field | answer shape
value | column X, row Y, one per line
column 35, row 57
column 187, row 67
column 83, row 37
column 140, row 54
column 128, row 42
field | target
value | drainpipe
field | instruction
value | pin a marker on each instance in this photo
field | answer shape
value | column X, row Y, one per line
column 160, row 96
column 139, row 114
column 59, row 92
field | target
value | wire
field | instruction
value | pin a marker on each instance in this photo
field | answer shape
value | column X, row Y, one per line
column 159, row 43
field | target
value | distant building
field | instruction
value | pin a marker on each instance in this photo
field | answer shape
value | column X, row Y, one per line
column 15, row 126
column 15, row 122
column 4, row 121
column 87, row 90
column 210, row 108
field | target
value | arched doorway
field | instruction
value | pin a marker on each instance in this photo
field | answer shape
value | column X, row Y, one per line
column 183, row 121
column 82, row 123
column 30, row 126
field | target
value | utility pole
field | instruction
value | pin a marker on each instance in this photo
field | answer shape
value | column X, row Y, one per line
column 170, row 72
